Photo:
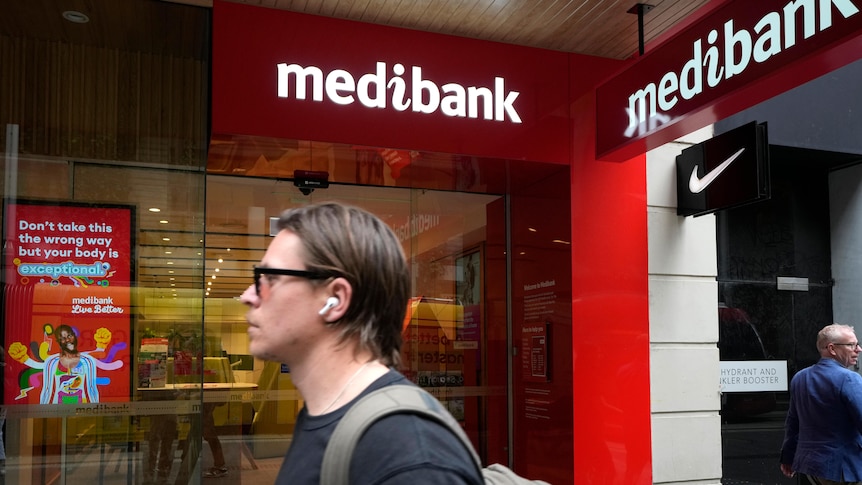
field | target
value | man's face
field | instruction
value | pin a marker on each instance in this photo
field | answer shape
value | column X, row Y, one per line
column 68, row 341
column 847, row 349
column 283, row 323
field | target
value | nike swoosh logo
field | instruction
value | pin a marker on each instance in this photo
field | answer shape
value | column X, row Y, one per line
column 697, row 185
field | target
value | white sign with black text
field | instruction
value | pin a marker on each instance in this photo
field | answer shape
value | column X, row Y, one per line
column 753, row 375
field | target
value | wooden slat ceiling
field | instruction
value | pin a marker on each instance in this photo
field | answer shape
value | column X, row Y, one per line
column 596, row 27
column 127, row 25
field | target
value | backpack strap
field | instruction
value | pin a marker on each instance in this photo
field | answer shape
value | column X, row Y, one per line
column 397, row 399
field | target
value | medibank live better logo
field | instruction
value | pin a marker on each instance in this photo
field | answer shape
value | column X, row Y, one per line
column 378, row 90
column 727, row 52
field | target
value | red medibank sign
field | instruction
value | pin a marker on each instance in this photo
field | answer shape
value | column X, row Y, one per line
column 740, row 54
column 287, row 75
column 373, row 90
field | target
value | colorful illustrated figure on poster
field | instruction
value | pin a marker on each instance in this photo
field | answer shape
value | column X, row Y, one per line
column 69, row 376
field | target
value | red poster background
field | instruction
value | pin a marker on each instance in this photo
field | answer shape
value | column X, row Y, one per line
column 67, row 265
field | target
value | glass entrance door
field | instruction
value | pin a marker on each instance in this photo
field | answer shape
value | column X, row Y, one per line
column 450, row 336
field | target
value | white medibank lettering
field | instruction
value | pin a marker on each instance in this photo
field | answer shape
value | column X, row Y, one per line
column 740, row 49
column 374, row 90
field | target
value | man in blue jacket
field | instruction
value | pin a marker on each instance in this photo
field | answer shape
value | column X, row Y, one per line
column 823, row 432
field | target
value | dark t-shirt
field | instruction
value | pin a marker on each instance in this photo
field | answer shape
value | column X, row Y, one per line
column 398, row 449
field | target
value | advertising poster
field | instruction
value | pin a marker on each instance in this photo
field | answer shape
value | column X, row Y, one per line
column 67, row 273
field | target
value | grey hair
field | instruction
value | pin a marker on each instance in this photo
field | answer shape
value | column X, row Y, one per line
column 830, row 334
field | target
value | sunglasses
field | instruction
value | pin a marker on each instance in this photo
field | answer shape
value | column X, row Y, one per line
column 311, row 275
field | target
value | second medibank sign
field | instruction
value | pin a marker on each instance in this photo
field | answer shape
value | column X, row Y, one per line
column 732, row 47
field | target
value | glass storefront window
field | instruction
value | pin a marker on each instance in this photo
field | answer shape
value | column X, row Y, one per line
column 112, row 177
column 150, row 283
column 104, row 140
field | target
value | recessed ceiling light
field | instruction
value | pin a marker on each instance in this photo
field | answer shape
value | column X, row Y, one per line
column 75, row 17
column 154, row 209
column 163, row 221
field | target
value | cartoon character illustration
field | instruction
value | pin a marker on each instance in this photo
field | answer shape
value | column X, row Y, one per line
column 69, row 376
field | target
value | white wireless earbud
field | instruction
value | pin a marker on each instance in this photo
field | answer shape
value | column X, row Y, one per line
column 330, row 304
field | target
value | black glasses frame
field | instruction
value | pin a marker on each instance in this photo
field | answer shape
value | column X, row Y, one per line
column 851, row 345
column 310, row 275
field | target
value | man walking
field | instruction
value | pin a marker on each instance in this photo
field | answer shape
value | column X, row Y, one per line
column 823, row 431
column 329, row 300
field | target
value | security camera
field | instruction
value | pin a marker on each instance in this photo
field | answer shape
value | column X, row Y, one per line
column 307, row 180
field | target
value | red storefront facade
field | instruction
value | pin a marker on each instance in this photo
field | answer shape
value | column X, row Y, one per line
column 545, row 107
column 560, row 379
column 526, row 117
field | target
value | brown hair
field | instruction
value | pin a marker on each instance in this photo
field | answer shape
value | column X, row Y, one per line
column 354, row 244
